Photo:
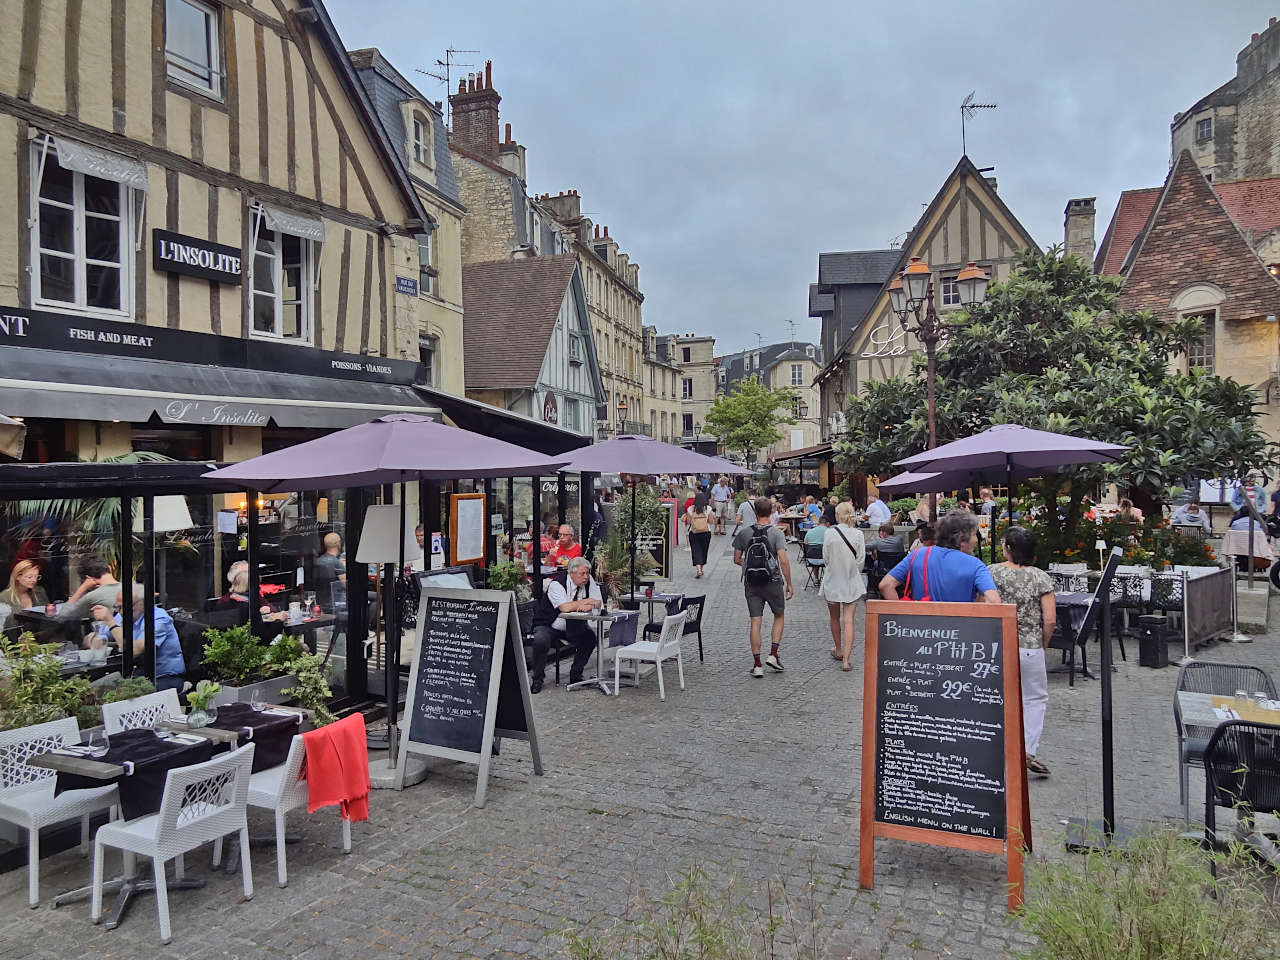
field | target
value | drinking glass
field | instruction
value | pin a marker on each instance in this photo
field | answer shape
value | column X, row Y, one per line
column 1241, row 698
column 256, row 700
column 99, row 742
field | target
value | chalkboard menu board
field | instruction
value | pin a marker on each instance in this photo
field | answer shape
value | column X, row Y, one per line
column 468, row 688
column 455, row 659
column 942, row 758
column 940, row 724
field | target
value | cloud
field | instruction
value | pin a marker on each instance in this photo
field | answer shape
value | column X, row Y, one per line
column 727, row 144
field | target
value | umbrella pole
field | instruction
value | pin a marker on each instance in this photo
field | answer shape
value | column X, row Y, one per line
column 633, row 538
column 393, row 643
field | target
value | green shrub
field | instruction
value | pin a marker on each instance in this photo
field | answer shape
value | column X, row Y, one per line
column 510, row 575
column 903, row 506
column 32, row 688
column 234, row 655
column 1155, row 900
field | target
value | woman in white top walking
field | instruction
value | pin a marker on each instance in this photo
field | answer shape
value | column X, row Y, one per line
column 843, row 551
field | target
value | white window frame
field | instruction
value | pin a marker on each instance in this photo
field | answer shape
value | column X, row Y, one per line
column 432, row 344
column 43, row 152
column 686, row 388
column 797, row 374
column 307, row 279
column 213, row 37
column 949, row 292
column 420, row 141
column 1209, row 135
column 426, row 279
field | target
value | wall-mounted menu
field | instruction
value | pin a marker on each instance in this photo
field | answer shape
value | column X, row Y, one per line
column 940, row 724
column 455, row 657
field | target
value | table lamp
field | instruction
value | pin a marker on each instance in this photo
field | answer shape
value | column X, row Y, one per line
column 168, row 513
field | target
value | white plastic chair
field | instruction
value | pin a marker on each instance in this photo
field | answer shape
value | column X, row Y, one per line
column 279, row 790
column 26, row 792
column 201, row 802
column 140, row 713
column 666, row 647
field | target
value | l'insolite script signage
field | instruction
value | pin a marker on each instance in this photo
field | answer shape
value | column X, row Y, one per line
column 942, row 758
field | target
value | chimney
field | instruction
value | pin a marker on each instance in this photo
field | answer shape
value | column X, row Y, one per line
column 1077, row 228
column 475, row 114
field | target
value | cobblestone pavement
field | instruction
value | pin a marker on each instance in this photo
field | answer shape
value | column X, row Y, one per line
column 756, row 778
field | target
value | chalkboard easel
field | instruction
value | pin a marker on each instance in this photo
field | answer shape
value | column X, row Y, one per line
column 468, row 687
column 942, row 744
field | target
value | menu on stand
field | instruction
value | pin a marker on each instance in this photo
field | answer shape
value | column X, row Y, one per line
column 455, row 657
column 940, row 725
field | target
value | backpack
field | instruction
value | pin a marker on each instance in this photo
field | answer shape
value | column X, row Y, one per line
column 699, row 523
column 759, row 565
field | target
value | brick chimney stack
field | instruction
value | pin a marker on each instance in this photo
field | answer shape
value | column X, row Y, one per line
column 1078, row 228
column 475, row 114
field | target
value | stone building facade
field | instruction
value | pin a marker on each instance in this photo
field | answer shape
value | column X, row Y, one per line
column 694, row 356
column 662, row 389
column 789, row 365
column 201, row 192
column 613, row 296
column 1233, row 133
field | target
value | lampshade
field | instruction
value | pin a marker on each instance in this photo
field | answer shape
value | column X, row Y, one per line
column 915, row 280
column 897, row 296
column 972, row 283
column 378, row 538
column 168, row 513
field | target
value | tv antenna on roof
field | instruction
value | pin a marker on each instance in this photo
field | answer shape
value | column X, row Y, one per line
column 792, row 325
column 967, row 109
column 445, row 76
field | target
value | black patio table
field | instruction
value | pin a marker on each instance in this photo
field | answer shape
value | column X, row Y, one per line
column 144, row 760
column 269, row 730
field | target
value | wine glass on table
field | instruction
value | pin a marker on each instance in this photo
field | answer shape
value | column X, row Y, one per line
column 257, row 701
column 99, row 743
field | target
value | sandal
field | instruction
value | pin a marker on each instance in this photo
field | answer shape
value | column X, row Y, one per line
column 1036, row 767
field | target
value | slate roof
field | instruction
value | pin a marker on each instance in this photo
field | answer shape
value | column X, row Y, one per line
column 735, row 364
column 511, row 308
column 856, row 266
column 387, row 87
column 1131, row 216
column 820, row 303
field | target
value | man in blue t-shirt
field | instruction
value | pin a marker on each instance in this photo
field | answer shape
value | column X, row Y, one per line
column 955, row 575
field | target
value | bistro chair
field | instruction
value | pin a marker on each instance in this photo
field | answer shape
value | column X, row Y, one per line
column 284, row 788
column 26, row 793
column 1242, row 771
column 692, row 626
column 813, row 564
column 140, row 713
column 1222, row 679
column 666, row 647
column 201, row 802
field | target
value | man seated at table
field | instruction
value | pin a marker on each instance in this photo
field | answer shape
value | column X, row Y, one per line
column 169, row 663
column 1190, row 514
column 580, row 594
column 97, row 586
column 566, row 547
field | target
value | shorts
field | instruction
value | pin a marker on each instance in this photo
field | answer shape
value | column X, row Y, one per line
column 771, row 593
column 722, row 509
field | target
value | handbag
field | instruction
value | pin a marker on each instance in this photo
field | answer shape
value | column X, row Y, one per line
column 924, row 569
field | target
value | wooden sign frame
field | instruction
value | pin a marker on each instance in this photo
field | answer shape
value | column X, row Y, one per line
column 1017, row 811
column 455, row 500
column 507, row 641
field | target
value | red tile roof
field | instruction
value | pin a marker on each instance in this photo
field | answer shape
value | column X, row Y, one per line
column 1131, row 215
column 509, row 310
column 1253, row 204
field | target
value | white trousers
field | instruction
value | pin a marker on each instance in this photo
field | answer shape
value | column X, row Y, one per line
column 1035, row 696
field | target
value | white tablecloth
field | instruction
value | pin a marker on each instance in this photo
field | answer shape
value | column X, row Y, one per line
column 1235, row 543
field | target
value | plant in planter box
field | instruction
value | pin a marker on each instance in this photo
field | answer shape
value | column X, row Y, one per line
column 613, row 564
column 510, row 575
column 32, row 688
column 234, row 655
column 312, row 689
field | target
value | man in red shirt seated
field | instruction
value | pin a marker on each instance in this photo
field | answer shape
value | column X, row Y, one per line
column 566, row 547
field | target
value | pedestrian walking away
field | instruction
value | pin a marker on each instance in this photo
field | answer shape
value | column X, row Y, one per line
column 761, row 551
column 697, row 520
column 843, row 554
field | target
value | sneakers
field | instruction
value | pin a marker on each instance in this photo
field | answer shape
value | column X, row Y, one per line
column 757, row 672
column 773, row 662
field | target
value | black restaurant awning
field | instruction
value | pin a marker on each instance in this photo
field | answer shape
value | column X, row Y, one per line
column 76, row 386
column 503, row 424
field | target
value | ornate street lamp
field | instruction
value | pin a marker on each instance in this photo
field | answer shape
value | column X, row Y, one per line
column 802, row 410
column 622, row 414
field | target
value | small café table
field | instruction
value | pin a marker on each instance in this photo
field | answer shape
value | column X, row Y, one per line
column 650, row 599
column 306, row 627
column 137, row 761
column 599, row 618
column 1212, row 710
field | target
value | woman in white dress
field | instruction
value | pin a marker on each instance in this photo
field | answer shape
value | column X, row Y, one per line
column 843, row 551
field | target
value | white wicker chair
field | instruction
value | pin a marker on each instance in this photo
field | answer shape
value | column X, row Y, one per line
column 26, row 792
column 666, row 647
column 202, row 802
column 140, row 712
column 279, row 790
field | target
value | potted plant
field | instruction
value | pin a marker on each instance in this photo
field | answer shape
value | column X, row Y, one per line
column 510, row 575
column 201, row 699
column 613, row 565
column 32, row 688
column 242, row 663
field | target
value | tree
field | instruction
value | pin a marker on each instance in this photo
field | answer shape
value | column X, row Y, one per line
column 746, row 419
column 1051, row 349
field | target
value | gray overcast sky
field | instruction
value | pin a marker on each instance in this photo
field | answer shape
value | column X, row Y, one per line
column 727, row 144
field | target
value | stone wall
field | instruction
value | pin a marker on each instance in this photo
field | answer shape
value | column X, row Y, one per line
column 1258, row 130
column 489, row 232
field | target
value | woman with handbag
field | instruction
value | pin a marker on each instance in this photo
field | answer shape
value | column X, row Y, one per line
column 697, row 520
column 843, row 552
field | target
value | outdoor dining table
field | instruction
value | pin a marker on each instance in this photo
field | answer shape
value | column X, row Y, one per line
column 1235, row 543
column 271, row 729
column 650, row 599
column 1212, row 710
column 599, row 618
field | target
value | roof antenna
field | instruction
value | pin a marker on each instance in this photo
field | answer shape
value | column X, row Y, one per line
column 792, row 325
column 967, row 109
column 446, row 77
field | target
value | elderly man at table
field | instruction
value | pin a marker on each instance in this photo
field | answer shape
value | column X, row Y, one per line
column 566, row 547
column 169, row 663
column 877, row 512
column 1190, row 515
column 580, row 595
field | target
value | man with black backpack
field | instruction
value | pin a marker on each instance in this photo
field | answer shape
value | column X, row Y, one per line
column 761, row 551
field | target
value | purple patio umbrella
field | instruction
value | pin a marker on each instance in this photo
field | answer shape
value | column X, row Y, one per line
column 392, row 449
column 644, row 456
